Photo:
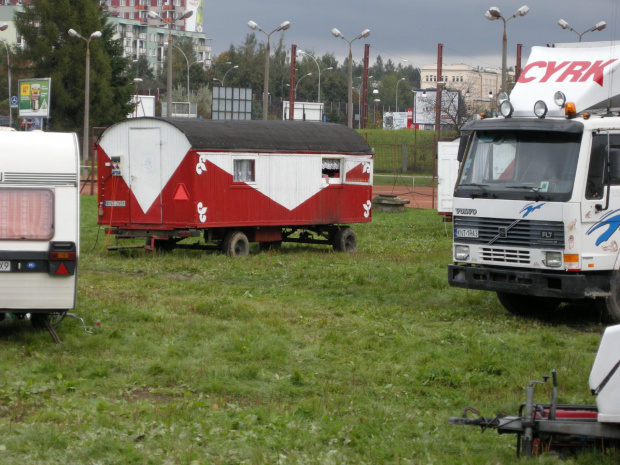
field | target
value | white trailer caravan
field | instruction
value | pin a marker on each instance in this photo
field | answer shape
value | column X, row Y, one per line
column 537, row 202
column 39, row 224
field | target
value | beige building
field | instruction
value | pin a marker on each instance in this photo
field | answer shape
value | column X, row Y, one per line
column 478, row 86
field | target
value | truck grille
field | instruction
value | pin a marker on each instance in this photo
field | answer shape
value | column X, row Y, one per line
column 503, row 233
column 498, row 255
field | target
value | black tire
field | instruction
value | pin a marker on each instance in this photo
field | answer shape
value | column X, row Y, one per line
column 527, row 305
column 345, row 240
column 273, row 246
column 609, row 307
column 236, row 244
column 164, row 245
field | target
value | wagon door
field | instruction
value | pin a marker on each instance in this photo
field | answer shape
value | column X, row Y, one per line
column 145, row 180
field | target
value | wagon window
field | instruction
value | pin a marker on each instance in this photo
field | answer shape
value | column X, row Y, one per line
column 243, row 171
column 26, row 214
column 330, row 168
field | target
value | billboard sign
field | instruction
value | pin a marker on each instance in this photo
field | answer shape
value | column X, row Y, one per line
column 34, row 97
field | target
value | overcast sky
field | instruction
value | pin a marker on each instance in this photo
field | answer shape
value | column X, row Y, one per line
column 409, row 29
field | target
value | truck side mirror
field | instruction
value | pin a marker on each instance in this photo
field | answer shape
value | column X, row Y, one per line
column 614, row 165
column 462, row 147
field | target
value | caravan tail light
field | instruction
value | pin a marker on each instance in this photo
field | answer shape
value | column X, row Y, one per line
column 62, row 258
column 69, row 256
column 570, row 109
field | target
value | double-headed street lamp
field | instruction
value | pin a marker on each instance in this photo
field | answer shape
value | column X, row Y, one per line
column 221, row 81
column 94, row 35
column 398, row 82
column 597, row 27
column 336, row 33
column 492, row 14
column 255, row 27
column 296, row 85
column 318, row 68
column 224, row 78
column 170, row 22
column 187, row 61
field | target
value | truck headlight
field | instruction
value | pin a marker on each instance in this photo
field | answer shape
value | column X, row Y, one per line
column 461, row 252
column 553, row 259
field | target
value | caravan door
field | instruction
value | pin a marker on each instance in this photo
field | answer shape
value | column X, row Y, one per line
column 145, row 177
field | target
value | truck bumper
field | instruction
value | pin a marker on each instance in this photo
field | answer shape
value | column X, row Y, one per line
column 534, row 283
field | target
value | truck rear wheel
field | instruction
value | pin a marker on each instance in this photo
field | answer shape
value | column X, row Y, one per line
column 345, row 240
column 527, row 305
column 236, row 244
column 610, row 306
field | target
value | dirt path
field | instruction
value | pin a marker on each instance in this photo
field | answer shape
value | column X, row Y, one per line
column 421, row 197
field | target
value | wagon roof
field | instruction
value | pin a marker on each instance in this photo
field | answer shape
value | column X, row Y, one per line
column 295, row 136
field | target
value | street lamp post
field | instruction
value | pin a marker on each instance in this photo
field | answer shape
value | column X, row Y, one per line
column 224, row 78
column 186, row 61
column 309, row 74
column 336, row 33
column 4, row 27
column 137, row 82
column 255, row 27
column 492, row 14
column 170, row 22
column 597, row 27
column 318, row 68
column 398, row 82
column 94, row 35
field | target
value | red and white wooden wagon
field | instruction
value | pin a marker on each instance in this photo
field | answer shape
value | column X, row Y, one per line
column 233, row 182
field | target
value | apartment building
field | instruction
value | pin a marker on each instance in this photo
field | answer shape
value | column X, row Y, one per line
column 141, row 35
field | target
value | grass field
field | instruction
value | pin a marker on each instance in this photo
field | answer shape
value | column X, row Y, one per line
column 305, row 356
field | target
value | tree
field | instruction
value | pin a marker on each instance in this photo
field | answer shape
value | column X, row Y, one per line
column 51, row 52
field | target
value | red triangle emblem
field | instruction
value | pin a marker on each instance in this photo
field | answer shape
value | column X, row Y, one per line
column 62, row 269
column 181, row 193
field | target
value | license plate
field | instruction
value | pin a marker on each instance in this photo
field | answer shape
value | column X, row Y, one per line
column 5, row 265
column 462, row 233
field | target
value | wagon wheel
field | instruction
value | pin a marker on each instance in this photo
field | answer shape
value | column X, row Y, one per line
column 236, row 244
column 345, row 240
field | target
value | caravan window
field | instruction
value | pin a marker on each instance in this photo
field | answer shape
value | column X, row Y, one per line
column 244, row 170
column 27, row 214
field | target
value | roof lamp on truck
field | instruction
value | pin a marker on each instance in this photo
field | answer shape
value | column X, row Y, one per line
column 537, row 200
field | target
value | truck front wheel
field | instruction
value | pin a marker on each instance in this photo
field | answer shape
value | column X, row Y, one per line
column 610, row 306
column 527, row 305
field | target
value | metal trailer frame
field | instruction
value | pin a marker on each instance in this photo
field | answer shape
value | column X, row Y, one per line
column 552, row 427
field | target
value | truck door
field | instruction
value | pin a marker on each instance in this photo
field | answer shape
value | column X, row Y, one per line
column 145, row 180
column 600, row 214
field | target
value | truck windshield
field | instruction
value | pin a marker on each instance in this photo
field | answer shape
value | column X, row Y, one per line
column 528, row 165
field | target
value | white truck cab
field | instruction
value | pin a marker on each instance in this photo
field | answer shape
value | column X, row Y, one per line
column 537, row 201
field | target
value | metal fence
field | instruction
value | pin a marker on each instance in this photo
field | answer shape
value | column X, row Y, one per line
column 405, row 158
